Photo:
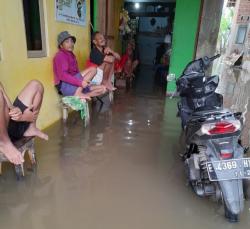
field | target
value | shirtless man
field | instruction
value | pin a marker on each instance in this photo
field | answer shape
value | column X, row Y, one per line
column 19, row 119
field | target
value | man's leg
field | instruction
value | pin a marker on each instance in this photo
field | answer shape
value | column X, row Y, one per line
column 32, row 97
column 96, row 90
column 134, row 65
column 108, row 71
column 88, row 74
column 79, row 94
column 128, row 68
column 6, row 146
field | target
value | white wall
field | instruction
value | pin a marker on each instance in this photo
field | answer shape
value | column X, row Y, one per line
column 145, row 26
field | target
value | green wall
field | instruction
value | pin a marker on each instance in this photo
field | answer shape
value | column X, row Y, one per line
column 184, row 36
column 95, row 14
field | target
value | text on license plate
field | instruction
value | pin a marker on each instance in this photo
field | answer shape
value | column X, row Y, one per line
column 229, row 169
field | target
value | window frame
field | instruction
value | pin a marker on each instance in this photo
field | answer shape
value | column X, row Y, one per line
column 43, row 52
column 237, row 35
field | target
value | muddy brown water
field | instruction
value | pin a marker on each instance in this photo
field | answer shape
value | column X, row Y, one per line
column 122, row 172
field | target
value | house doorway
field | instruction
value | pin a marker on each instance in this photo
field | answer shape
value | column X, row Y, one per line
column 153, row 36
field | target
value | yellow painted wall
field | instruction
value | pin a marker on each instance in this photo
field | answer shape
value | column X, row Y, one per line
column 16, row 69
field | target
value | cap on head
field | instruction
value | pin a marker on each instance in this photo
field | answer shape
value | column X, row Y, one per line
column 63, row 36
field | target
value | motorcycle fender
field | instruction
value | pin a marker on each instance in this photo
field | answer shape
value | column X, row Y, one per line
column 231, row 190
column 232, row 193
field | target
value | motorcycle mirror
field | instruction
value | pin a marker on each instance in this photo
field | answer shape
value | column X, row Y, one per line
column 171, row 77
column 238, row 115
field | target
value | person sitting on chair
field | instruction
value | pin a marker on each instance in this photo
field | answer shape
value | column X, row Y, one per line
column 103, row 58
column 68, row 79
column 18, row 120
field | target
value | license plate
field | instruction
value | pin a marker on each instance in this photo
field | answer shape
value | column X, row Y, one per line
column 229, row 169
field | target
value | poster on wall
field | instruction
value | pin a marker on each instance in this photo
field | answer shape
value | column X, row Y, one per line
column 71, row 11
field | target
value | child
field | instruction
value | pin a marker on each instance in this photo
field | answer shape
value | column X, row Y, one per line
column 131, row 63
column 67, row 77
column 128, row 62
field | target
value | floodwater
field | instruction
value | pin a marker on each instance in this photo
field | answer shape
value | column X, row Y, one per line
column 122, row 172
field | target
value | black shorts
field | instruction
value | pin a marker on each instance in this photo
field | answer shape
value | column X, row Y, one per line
column 17, row 129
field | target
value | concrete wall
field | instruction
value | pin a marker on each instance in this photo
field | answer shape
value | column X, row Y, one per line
column 209, row 27
column 186, row 22
column 145, row 26
column 16, row 69
column 241, row 15
column 147, row 47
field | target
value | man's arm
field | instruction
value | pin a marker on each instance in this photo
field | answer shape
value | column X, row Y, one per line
column 109, row 59
column 62, row 66
column 108, row 51
column 117, row 56
column 14, row 112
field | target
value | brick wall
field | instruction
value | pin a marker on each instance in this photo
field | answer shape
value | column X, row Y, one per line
column 243, row 16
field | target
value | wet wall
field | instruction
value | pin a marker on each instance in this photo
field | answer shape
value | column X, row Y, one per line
column 209, row 27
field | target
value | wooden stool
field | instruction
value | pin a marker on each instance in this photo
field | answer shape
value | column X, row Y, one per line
column 23, row 145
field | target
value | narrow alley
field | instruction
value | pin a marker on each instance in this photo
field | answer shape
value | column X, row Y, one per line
column 125, row 114
column 123, row 171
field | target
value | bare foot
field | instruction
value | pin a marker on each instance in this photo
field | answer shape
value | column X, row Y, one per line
column 111, row 87
column 82, row 96
column 104, row 90
column 85, row 97
column 12, row 154
column 33, row 131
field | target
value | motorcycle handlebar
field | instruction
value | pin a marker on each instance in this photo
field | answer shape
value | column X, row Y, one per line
column 214, row 57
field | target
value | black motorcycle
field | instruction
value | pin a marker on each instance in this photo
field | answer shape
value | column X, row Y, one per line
column 213, row 154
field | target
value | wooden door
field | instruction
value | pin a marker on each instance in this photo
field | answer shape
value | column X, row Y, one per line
column 105, row 20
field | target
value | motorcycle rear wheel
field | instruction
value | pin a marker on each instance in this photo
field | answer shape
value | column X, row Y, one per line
column 232, row 218
column 246, row 188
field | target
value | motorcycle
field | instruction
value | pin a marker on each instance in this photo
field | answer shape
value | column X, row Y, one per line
column 214, row 157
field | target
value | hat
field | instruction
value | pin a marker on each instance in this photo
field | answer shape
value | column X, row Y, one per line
column 63, row 36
